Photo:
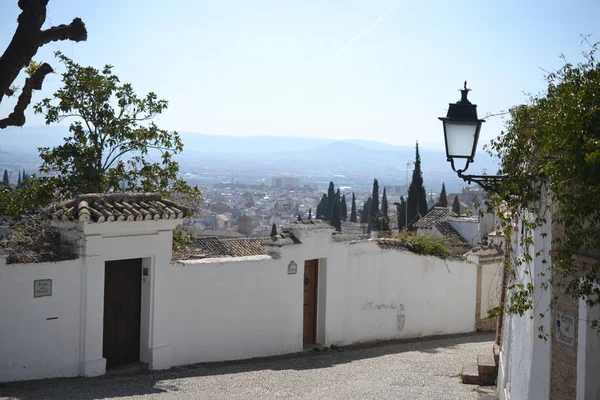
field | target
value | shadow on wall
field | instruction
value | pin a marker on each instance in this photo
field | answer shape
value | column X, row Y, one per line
column 151, row 382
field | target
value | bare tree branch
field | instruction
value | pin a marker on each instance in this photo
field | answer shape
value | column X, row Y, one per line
column 34, row 82
column 75, row 31
column 26, row 41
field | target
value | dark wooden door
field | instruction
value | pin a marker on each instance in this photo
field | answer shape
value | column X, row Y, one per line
column 310, row 301
column 122, row 305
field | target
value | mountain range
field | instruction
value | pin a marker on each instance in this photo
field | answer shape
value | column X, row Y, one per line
column 210, row 158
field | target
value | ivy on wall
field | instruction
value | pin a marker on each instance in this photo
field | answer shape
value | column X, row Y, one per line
column 551, row 145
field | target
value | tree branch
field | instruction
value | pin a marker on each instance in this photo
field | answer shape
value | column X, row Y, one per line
column 34, row 82
column 75, row 31
column 28, row 38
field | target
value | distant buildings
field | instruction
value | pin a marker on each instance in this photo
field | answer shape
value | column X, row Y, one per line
column 285, row 182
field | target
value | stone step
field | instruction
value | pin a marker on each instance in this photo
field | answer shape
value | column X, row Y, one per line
column 486, row 365
column 496, row 350
column 470, row 374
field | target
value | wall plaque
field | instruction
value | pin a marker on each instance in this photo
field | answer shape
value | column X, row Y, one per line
column 565, row 329
column 42, row 288
column 292, row 268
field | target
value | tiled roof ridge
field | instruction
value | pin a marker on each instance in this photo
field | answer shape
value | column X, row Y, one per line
column 109, row 207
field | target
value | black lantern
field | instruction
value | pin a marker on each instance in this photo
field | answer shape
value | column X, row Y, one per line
column 461, row 134
column 461, row 130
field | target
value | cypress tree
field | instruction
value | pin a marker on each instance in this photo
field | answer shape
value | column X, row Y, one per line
column 367, row 213
column 336, row 222
column 5, row 178
column 384, row 204
column 19, row 180
column 374, row 209
column 401, row 209
column 310, row 213
column 443, row 201
column 299, row 217
column 417, row 197
column 353, row 209
column 322, row 207
column 274, row 230
column 343, row 208
column 330, row 198
column 456, row 206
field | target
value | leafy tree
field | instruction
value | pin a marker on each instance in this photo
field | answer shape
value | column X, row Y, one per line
column 330, row 198
column 26, row 199
column 5, row 180
column 417, row 196
column 456, row 205
column 343, row 208
column 110, row 122
column 551, row 145
column 353, row 209
column 26, row 41
column 443, row 201
column 336, row 221
column 273, row 230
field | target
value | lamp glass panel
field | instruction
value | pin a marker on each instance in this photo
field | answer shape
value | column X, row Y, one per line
column 460, row 137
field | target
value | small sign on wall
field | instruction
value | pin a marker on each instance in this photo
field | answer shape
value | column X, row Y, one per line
column 292, row 268
column 42, row 288
column 565, row 329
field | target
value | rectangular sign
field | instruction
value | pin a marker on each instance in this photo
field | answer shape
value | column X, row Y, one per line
column 292, row 268
column 565, row 329
column 42, row 288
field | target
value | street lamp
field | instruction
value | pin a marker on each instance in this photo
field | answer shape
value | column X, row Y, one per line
column 461, row 134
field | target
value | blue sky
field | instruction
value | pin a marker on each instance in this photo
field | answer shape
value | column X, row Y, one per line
column 375, row 69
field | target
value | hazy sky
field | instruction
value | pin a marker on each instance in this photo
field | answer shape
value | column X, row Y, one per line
column 369, row 69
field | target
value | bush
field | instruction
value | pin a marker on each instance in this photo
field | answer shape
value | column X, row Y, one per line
column 424, row 245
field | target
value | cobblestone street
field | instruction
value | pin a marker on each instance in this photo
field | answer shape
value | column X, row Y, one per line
column 415, row 369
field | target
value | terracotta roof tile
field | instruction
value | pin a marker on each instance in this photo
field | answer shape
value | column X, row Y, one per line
column 111, row 207
column 206, row 247
column 452, row 237
column 436, row 214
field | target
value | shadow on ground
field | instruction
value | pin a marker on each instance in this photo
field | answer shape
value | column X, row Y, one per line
column 156, row 382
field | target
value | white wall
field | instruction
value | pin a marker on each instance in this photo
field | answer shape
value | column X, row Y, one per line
column 524, row 371
column 588, row 353
column 491, row 286
column 223, row 309
column 39, row 337
column 384, row 294
column 467, row 229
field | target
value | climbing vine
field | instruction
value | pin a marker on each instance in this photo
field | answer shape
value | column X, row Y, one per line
column 550, row 153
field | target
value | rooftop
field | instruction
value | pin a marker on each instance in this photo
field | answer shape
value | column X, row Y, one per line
column 437, row 214
column 110, row 207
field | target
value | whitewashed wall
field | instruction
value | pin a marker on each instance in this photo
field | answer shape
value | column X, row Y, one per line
column 39, row 337
column 524, row 370
column 385, row 294
column 491, row 286
column 224, row 309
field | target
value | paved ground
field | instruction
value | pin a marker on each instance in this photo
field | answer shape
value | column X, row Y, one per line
column 424, row 369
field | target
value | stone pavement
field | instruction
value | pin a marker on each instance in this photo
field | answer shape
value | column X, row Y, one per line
column 410, row 369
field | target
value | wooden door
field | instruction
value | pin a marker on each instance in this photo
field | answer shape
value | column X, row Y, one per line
column 310, row 301
column 122, row 306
